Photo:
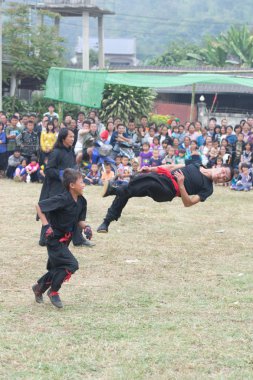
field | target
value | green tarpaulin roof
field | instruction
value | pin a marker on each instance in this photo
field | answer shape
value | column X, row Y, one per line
column 86, row 87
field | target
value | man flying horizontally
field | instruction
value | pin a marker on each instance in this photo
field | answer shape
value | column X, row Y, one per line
column 193, row 183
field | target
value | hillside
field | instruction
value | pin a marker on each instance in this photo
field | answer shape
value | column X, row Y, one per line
column 154, row 23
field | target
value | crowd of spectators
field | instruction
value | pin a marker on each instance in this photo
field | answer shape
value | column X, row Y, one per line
column 116, row 151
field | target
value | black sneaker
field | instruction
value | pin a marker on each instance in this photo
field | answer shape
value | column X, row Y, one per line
column 55, row 298
column 38, row 294
column 108, row 189
column 103, row 228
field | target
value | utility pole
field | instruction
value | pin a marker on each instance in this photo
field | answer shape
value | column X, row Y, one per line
column 1, row 54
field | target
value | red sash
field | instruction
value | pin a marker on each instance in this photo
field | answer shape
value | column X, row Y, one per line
column 66, row 238
column 161, row 170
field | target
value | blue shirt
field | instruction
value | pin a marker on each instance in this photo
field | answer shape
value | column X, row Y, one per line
column 3, row 147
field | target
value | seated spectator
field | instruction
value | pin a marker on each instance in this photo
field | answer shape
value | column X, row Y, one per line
column 124, row 172
column 180, row 159
column 176, row 146
column 195, row 156
column 234, row 179
column 247, row 155
column 192, row 133
column 244, row 182
column 212, row 157
column 32, row 170
column 13, row 162
column 238, row 150
column 135, row 166
column 170, row 156
column 231, row 136
column 20, row 172
column 145, row 155
column 155, row 160
column 217, row 134
column 93, row 176
column 175, row 132
column 107, row 175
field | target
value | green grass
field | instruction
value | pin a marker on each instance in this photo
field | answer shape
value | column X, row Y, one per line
column 167, row 294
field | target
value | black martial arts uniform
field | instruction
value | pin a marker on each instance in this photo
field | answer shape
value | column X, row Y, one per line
column 160, row 188
column 64, row 213
column 59, row 159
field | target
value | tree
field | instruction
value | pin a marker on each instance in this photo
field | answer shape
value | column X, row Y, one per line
column 31, row 50
column 126, row 102
column 178, row 53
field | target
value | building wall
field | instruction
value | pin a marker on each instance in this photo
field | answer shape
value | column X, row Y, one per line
column 182, row 111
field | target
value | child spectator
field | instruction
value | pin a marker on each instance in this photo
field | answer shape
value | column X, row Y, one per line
column 180, row 159
column 13, row 161
column 234, row 179
column 107, row 175
column 170, row 156
column 219, row 162
column 135, row 167
column 175, row 132
column 238, row 151
column 231, row 136
column 195, row 155
column 163, row 151
column 32, row 170
column 145, row 155
column 244, row 181
column 213, row 154
column 20, row 172
column 247, row 156
column 124, row 172
column 155, row 144
column 176, row 146
column 155, row 160
column 93, row 177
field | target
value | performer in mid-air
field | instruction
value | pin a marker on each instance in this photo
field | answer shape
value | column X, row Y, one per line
column 193, row 183
column 59, row 215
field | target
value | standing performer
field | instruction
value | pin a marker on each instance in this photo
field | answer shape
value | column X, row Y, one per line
column 59, row 216
column 193, row 183
column 62, row 157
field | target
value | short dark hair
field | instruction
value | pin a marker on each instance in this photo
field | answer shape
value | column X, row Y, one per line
column 231, row 171
column 86, row 122
column 70, row 176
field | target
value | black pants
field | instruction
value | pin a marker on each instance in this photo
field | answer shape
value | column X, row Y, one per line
column 60, row 265
column 158, row 187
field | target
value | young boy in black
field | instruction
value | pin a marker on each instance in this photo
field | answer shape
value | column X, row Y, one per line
column 63, row 212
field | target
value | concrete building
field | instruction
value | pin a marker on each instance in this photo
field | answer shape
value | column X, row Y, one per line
column 84, row 9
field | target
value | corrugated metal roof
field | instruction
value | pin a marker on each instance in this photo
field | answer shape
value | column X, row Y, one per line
column 207, row 89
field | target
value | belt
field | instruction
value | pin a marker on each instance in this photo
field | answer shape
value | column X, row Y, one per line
column 167, row 173
column 66, row 238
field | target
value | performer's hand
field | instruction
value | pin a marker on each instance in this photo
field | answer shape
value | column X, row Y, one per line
column 144, row 169
column 49, row 233
column 179, row 176
column 88, row 232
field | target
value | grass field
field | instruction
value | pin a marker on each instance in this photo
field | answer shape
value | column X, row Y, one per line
column 167, row 294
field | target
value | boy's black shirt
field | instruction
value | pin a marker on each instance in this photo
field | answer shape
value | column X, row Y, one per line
column 64, row 212
column 196, row 183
